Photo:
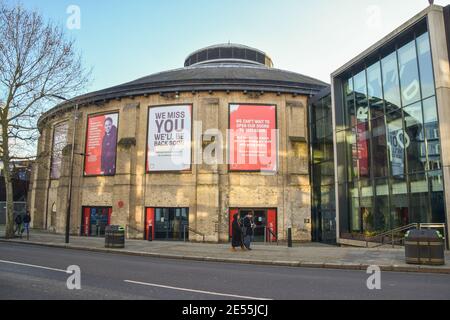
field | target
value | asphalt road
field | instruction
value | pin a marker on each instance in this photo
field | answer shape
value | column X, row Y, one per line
column 33, row 272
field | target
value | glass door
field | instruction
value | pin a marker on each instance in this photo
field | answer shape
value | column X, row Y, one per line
column 171, row 223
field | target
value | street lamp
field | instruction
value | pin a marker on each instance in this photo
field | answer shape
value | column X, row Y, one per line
column 69, row 198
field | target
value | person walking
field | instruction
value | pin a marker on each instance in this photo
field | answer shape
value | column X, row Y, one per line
column 18, row 220
column 248, row 230
column 26, row 222
column 236, row 234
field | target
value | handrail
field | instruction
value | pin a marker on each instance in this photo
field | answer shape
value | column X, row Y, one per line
column 127, row 227
column 392, row 232
column 193, row 231
column 270, row 231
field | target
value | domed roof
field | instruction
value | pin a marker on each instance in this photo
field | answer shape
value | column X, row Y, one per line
column 229, row 71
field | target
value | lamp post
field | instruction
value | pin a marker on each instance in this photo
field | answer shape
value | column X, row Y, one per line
column 69, row 197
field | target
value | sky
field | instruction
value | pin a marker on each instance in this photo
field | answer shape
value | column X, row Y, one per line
column 126, row 40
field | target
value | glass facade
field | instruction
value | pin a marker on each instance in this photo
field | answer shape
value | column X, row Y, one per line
column 391, row 144
column 322, row 170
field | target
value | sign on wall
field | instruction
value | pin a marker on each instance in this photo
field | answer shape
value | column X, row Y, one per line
column 169, row 138
column 101, row 145
column 59, row 142
column 253, row 138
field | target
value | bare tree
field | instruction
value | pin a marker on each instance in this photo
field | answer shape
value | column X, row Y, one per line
column 37, row 63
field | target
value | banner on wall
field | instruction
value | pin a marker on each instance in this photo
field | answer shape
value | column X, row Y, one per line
column 101, row 145
column 59, row 142
column 169, row 138
column 253, row 138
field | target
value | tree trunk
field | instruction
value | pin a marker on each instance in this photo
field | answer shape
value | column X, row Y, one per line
column 9, row 203
column 9, row 233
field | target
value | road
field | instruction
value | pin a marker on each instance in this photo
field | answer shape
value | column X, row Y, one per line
column 33, row 272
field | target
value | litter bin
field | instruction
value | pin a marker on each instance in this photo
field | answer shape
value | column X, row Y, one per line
column 114, row 237
column 425, row 247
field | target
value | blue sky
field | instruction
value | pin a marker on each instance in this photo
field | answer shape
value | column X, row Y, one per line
column 125, row 40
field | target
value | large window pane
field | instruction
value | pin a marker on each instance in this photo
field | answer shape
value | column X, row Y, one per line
column 425, row 66
column 363, row 150
column 381, row 213
column 409, row 75
column 379, row 146
column 399, row 202
column 349, row 103
column 362, row 107
column 437, row 197
column 352, row 154
column 414, row 138
column 355, row 218
column 366, row 207
column 391, row 81
column 396, row 143
column 374, row 90
column 432, row 133
column 419, row 210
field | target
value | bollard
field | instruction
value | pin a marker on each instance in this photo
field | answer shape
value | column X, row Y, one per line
column 289, row 237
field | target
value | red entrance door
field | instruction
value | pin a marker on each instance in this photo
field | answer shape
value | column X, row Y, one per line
column 270, row 222
column 149, row 221
column 232, row 213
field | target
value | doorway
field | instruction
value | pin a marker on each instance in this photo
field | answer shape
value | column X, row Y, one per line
column 95, row 220
column 264, row 220
column 167, row 223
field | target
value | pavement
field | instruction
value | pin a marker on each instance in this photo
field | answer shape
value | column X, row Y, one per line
column 308, row 255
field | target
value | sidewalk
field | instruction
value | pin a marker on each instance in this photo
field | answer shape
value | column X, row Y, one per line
column 310, row 255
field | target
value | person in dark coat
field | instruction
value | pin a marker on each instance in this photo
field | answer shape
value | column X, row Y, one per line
column 248, row 233
column 27, row 221
column 236, row 232
column 18, row 220
column 109, row 148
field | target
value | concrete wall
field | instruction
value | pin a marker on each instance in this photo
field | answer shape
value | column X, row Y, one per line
column 438, row 39
column 209, row 190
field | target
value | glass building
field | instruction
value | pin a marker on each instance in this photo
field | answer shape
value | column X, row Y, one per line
column 389, row 107
column 323, row 208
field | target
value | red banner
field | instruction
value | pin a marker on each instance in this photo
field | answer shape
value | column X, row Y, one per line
column 101, row 145
column 253, row 138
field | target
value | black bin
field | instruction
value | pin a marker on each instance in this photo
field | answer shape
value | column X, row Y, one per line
column 424, row 247
column 114, row 237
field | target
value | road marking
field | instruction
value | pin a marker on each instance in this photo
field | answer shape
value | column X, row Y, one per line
column 32, row 266
column 196, row 291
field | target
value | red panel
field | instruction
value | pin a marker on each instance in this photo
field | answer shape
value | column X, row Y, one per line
column 109, row 216
column 86, row 221
column 272, row 222
column 100, row 148
column 150, row 220
column 253, row 135
column 232, row 213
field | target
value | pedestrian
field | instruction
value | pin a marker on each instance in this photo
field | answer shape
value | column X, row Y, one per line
column 26, row 221
column 236, row 234
column 248, row 227
column 18, row 220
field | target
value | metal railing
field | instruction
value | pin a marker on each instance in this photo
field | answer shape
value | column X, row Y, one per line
column 186, row 227
column 268, row 234
column 128, row 228
column 391, row 233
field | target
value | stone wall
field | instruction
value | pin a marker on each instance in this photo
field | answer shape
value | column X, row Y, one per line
column 209, row 190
